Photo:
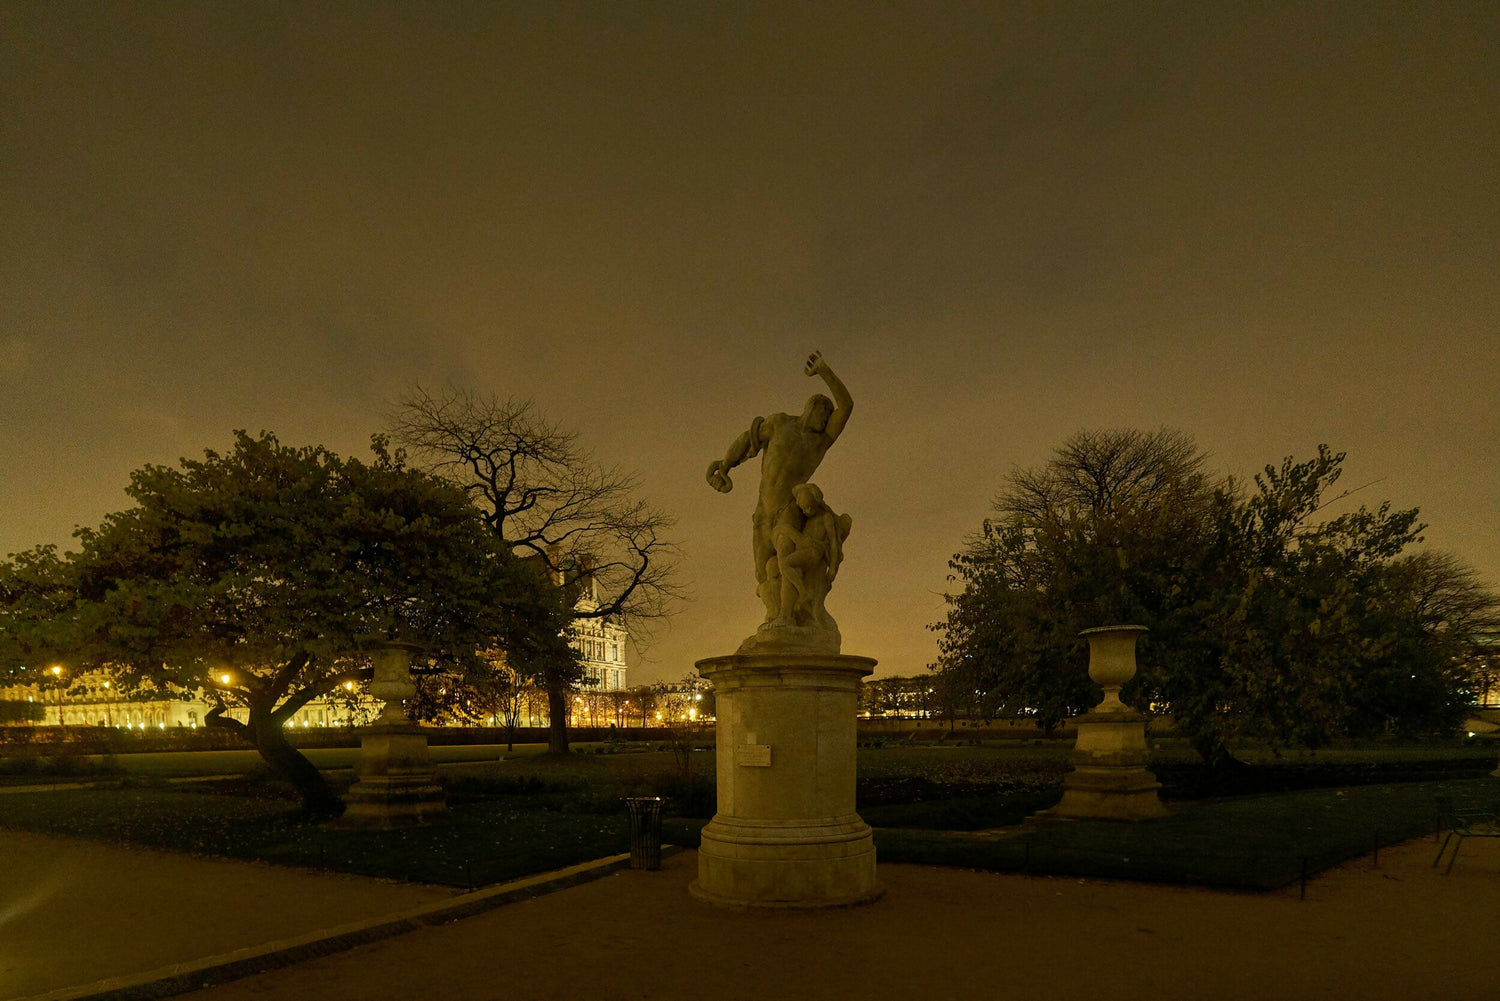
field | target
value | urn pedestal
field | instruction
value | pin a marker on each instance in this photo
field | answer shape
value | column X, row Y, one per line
column 397, row 784
column 786, row 834
column 1109, row 779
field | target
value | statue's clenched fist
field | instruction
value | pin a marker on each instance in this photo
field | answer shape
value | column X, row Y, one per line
column 718, row 476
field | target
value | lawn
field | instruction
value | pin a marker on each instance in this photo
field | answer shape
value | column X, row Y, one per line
column 526, row 814
column 24, row 769
column 936, row 804
column 477, row 843
column 1252, row 842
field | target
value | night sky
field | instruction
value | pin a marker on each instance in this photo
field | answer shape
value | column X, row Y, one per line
column 1267, row 225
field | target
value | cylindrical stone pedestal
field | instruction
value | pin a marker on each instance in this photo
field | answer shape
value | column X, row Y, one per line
column 786, row 834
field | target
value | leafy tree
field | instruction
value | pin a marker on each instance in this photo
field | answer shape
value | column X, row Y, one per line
column 1260, row 615
column 34, row 593
column 922, row 697
column 1332, row 628
column 546, row 498
column 1115, row 529
column 35, row 597
column 268, row 574
column 880, row 696
column 1291, row 619
column 495, row 694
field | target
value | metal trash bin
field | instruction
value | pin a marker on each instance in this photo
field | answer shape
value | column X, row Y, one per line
column 645, row 831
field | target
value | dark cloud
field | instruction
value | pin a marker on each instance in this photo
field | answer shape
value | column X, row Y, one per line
column 1270, row 225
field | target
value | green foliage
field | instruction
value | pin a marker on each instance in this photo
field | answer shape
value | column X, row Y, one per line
column 280, row 569
column 28, row 768
column 475, row 844
column 34, row 595
column 960, row 813
column 901, row 697
column 1257, row 843
column 17, row 711
column 245, row 560
column 539, row 811
column 1260, row 615
column 1116, row 529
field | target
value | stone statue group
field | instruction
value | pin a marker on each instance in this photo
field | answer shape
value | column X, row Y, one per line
column 797, row 539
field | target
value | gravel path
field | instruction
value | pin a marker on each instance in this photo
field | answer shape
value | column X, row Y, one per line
column 1400, row 931
column 72, row 912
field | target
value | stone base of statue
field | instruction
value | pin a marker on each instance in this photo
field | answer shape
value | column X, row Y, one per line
column 786, row 834
column 774, row 639
column 1109, row 780
column 397, row 785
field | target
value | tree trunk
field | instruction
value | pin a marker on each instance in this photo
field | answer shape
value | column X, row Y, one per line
column 318, row 800
column 1210, row 748
column 1223, row 773
column 557, row 717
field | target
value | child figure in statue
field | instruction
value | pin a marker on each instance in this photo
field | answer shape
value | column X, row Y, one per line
column 809, row 541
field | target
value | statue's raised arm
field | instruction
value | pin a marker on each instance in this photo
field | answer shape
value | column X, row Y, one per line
column 843, row 402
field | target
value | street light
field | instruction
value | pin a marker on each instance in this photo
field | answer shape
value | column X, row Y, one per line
column 57, row 682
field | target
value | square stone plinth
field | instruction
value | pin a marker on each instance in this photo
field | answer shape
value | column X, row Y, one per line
column 1109, row 779
column 397, row 784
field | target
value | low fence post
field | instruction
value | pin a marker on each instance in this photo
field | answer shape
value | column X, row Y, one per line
column 645, row 831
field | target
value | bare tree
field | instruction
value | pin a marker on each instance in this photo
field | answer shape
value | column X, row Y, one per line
column 545, row 495
column 1098, row 473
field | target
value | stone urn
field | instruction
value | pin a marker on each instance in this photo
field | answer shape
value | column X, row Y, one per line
column 396, row 783
column 1109, row 779
column 392, row 682
column 1112, row 662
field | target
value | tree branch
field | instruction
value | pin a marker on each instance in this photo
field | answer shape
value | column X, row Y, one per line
column 215, row 718
column 317, row 689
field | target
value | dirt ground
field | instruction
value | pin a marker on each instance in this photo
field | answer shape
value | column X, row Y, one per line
column 1400, row 931
column 72, row 912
